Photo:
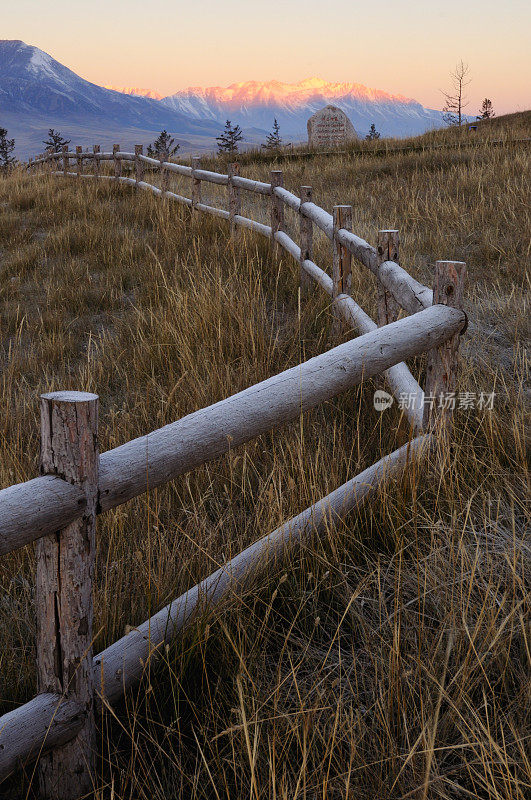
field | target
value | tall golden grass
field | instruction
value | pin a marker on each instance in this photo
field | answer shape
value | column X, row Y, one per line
column 388, row 659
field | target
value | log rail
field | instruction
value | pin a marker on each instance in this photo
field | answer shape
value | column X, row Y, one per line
column 58, row 510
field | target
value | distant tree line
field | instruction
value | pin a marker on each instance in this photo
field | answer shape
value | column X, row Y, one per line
column 165, row 146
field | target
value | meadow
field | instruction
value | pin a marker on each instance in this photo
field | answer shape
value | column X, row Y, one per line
column 390, row 658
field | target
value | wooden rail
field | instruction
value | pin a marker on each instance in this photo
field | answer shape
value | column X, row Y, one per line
column 58, row 510
column 408, row 293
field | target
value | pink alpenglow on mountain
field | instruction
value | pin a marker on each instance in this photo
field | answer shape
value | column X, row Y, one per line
column 294, row 94
column 255, row 104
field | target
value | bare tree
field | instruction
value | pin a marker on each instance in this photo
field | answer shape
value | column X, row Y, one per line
column 456, row 99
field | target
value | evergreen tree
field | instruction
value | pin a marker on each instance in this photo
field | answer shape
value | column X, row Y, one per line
column 229, row 138
column 55, row 141
column 486, row 111
column 274, row 140
column 6, row 148
column 455, row 99
column 373, row 133
column 163, row 147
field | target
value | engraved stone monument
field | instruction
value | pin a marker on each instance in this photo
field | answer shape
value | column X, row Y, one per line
column 330, row 127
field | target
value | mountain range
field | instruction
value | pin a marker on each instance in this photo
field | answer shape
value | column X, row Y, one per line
column 256, row 104
column 37, row 93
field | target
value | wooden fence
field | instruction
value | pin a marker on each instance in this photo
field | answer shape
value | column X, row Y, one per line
column 58, row 510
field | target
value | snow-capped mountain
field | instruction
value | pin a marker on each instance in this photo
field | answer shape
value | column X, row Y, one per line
column 31, row 80
column 36, row 91
column 256, row 104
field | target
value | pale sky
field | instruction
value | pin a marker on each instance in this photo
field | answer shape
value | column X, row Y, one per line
column 402, row 47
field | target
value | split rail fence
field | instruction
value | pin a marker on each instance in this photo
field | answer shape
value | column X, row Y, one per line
column 58, row 510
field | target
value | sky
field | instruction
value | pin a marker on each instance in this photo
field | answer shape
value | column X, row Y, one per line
column 406, row 48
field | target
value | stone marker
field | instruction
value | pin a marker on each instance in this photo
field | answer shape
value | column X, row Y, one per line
column 330, row 127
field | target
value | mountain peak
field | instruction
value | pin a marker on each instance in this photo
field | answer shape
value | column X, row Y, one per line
column 256, row 103
column 297, row 94
column 312, row 83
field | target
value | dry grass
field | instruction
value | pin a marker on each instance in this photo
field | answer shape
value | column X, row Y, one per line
column 391, row 658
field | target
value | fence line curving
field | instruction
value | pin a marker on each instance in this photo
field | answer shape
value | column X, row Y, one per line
column 59, row 509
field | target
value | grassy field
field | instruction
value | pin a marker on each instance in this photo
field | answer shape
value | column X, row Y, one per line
column 390, row 658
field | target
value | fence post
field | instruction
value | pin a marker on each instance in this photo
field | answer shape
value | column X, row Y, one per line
column 164, row 174
column 139, row 166
column 196, row 182
column 387, row 249
column 235, row 201
column 117, row 162
column 79, row 161
column 65, row 159
column 439, row 393
column 96, row 149
column 306, row 235
column 341, row 260
column 63, row 592
column 277, row 207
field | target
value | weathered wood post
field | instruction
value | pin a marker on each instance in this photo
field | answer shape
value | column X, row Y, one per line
column 79, row 160
column 441, row 377
column 387, row 249
column 235, row 200
column 96, row 150
column 117, row 162
column 277, row 207
column 139, row 166
column 341, row 260
column 306, row 235
column 63, row 592
column 30, row 164
column 196, row 182
column 65, row 159
column 164, row 173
